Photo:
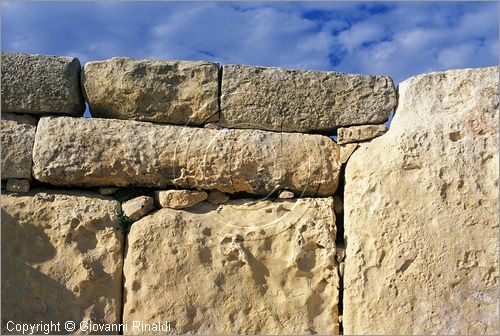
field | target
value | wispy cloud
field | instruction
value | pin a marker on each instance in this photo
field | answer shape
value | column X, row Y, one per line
column 397, row 39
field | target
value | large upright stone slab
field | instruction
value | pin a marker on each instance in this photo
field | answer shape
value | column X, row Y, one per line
column 286, row 100
column 61, row 259
column 175, row 92
column 104, row 152
column 41, row 84
column 17, row 139
column 246, row 267
column 421, row 213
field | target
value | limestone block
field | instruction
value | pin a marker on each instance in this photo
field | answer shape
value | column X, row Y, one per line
column 286, row 100
column 346, row 151
column 359, row 133
column 17, row 139
column 245, row 267
column 179, row 199
column 286, row 194
column 176, row 92
column 41, row 84
column 138, row 207
column 61, row 258
column 421, row 212
column 92, row 152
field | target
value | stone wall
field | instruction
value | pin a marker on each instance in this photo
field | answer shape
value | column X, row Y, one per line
column 214, row 199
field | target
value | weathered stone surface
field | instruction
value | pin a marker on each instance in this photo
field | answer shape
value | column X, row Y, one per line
column 179, row 199
column 245, row 267
column 61, row 258
column 41, row 84
column 285, row 194
column 346, row 151
column 18, row 185
column 285, row 100
column 17, row 138
column 176, row 92
column 138, row 207
column 92, row 152
column 421, row 212
column 217, row 197
column 359, row 133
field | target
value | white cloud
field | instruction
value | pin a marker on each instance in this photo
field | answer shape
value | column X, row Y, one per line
column 261, row 36
column 360, row 33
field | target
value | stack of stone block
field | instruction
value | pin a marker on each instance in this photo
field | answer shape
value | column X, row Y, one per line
column 236, row 185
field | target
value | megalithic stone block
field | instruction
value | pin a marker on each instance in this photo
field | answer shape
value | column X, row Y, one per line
column 17, row 139
column 421, row 213
column 41, row 84
column 245, row 267
column 175, row 92
column 61, row 260
column 278, row 99
column 104, row 152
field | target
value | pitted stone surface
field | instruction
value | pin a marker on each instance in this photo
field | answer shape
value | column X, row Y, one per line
column 246, row 267
column 421, row 212
column 92, row 152
column 284, row 100
column 17, row 139
column 61, row 258
column 176, row 92
column 41, row 84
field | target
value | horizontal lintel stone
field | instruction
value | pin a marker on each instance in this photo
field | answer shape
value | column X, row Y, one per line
column 278, row 99
column 106, row 152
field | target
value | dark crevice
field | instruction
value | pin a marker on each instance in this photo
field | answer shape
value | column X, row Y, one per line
column 219, row 93
column 122, row 305
column 340, row 242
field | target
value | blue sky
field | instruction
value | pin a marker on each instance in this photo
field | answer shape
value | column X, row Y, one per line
column 393, row 38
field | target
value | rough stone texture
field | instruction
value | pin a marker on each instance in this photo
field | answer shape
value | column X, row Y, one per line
column 17, row 138
column 61, row 258
column 176, row 92
column 92, row 152
column 217, row 197
column 41, row 84
column 138, row 207
column 286, row 194
column 346, row 151
column 179, row 199
column 285, row 100
column 246, row 267
column 18, row 185
column 421, row 213
column 359, row 133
